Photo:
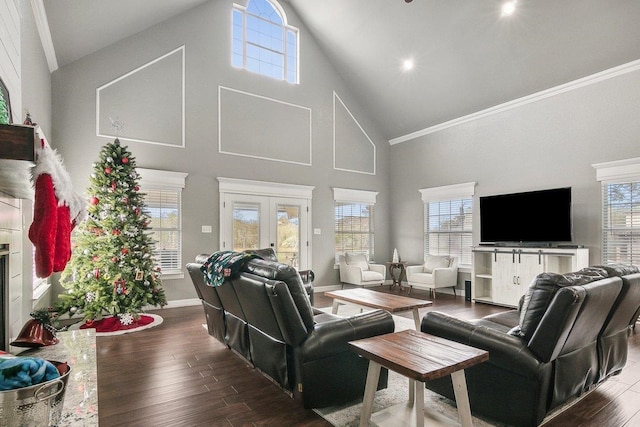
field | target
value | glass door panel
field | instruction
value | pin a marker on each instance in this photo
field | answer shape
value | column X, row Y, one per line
column 288, row 234
column 246, row 226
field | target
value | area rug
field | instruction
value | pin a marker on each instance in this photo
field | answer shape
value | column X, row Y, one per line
column 112, row 325
column 397, row 390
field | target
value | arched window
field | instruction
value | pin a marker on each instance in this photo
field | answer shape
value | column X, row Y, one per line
column 263, row 42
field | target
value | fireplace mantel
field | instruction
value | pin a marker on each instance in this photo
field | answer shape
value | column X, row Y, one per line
column 17, row 157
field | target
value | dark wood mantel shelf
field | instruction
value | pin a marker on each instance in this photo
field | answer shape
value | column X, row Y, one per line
column 18, row 142
column 17, row 157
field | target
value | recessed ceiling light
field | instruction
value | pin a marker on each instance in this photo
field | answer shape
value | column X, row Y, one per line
column 407, row 64
column 508, row 8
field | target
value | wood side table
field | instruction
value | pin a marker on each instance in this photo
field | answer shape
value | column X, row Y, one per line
column 419, row 357
column 396, row 270
column 372, row 299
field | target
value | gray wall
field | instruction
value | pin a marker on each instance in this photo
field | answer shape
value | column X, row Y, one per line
column 205, row 32
column 545, row 144
column 36, row 98
column 36, row 79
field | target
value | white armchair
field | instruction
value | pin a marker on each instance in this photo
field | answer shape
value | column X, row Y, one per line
column 356, row 270
column 438, row 271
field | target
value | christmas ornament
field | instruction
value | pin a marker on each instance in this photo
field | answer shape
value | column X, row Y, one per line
column 94, row 200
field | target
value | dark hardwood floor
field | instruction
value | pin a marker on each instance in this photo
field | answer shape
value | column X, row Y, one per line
column 175, row 374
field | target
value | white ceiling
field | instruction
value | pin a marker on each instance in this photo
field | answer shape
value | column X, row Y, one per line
column 468, row 58
column 81, row 27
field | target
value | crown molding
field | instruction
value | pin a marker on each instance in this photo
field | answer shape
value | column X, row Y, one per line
column 516, row 103
column 42, row 23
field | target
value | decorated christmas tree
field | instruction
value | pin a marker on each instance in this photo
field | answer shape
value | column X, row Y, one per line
column 112, row 270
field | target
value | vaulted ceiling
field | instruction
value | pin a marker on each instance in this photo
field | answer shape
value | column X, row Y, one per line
column 467, row 57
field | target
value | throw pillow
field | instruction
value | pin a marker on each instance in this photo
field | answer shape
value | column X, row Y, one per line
column 357, row 259
column 431, row 262
column 542, row 290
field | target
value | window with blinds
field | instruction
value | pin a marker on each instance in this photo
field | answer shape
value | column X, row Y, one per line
column 164, row 210
column 448, row 228
column 621, row 223
column 354, row 228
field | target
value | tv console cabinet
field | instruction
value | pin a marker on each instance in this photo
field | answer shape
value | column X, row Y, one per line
column 501, row 274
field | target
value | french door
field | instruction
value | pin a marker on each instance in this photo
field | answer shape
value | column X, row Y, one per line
column 251, row 221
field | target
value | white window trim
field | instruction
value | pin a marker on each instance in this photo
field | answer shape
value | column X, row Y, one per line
column 356, row 196
column 615, row 172
column 618, row 171
column 155, row 179
column 264, row 188
column 447, row 192
column 464, row 190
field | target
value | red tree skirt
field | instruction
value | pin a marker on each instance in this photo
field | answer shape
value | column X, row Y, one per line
column 113, row 325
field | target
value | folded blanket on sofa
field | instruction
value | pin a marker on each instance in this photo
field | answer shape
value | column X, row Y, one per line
column 17, row 372
column 224, row 264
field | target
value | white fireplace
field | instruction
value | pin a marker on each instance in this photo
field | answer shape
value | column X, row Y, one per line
column 4, row 297
column 15, row 286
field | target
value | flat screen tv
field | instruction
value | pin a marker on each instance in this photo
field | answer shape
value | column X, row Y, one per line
column 532, row 217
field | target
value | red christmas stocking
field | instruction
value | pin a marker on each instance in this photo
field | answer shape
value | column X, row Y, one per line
column 43, row 230
column 56, row 210
column 62, row 253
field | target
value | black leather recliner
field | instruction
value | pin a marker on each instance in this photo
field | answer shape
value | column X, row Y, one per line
column 267, row 318
column 307, row 276
column 568, row 335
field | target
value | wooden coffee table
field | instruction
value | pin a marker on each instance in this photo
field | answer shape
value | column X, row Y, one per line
column 419, row 357
column 373, row 299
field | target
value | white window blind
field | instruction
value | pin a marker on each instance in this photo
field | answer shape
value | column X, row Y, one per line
column 621, row 223
column 354, row 222
column 163, row 200
column 448, row 229
column 163, row 208
column 448, row 221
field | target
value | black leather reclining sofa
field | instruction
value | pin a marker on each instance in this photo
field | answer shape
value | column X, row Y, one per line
column 264, row 314
column 568, row 335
